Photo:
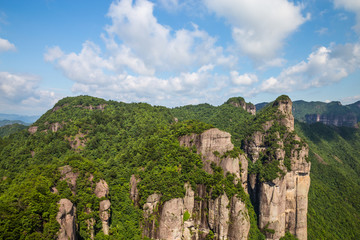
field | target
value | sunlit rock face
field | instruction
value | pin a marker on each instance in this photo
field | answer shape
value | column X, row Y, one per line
column 66, row 218
column 196, row 216
column 283, row 202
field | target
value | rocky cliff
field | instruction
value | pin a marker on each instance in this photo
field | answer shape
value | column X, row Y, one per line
column 279, row 191
column 197, row 215
column 67, row 214
column 274, row 170
column 240, row 102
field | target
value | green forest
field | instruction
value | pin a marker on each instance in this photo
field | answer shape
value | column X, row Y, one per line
column 114, row 140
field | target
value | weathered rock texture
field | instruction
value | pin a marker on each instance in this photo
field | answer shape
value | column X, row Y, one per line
column 67, row 212
column 134, row 193
column 281, row 203
column 195, row 215
column 101, row 191
column 250, row 108
column 33, row 129
column 70, row 177
column 66, row 218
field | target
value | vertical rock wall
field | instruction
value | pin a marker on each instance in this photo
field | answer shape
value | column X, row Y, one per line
column 66, row 218
column 282, row 203
column 195, row 216
column 67, row 211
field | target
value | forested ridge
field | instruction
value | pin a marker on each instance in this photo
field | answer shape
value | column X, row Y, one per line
column 114, row 140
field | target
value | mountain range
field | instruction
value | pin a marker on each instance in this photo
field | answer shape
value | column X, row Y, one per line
column 95, row 169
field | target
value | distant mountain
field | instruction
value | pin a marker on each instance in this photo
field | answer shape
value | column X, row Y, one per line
column 8, row 129
column 10, row 122
column 24, row 118
column 333, row 113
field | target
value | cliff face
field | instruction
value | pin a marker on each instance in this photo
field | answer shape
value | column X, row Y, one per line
column 197, row 216
column 67, row 213
column 348, row 120
column 240, row 102
column 277, row 181
column 281, row 202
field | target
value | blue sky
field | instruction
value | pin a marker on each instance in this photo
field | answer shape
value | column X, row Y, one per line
column 173, row 52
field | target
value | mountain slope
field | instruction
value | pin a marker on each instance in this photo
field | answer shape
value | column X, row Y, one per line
column 334, row 203
column 116, row 170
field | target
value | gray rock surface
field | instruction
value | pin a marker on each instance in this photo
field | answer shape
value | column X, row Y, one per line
column 66, row 218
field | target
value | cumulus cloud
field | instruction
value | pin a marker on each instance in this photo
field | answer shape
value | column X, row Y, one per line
column 352, row 6
column 87, row 66
column 5, row 45
column 157, row 45
column 144, row 59
column 323, row 67
column 259, row 27
column 21, row 92
column 245, row 79
column 53, row 53
column 127, row 87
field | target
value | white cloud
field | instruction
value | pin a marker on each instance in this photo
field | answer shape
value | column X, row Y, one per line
column 259, row 27
column 87, row 66
column 352, row 6
column 126, row 87
column 21, row 92
column 159, row 46
column 169, row 4
column 323, row 67
column 5, row 45
column 53, row 53
column 144, row 60
column 245, row 79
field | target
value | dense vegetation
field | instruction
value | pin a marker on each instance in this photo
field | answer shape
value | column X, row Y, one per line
column 113, row 140
column 110, row 142
column 6, row 130
column 334, row 203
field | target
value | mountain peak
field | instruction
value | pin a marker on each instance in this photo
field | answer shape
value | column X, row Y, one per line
column 240, row 102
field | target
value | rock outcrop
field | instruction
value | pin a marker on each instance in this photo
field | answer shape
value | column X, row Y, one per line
column 70, row 177
column 33, row 129
column 282, row 202
column 196, row 215
column 134, row 192
column 240, row 102
column 101, row 191
column 280, row 198
column 67, row 211
column 66, row 218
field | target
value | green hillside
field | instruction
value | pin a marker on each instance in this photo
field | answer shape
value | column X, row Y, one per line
column 334, row 203
column 334, row 197
column 108, row 140
column 112, row 140
column 10, row 129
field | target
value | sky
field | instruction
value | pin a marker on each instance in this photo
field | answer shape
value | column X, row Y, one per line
column 177, row 52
